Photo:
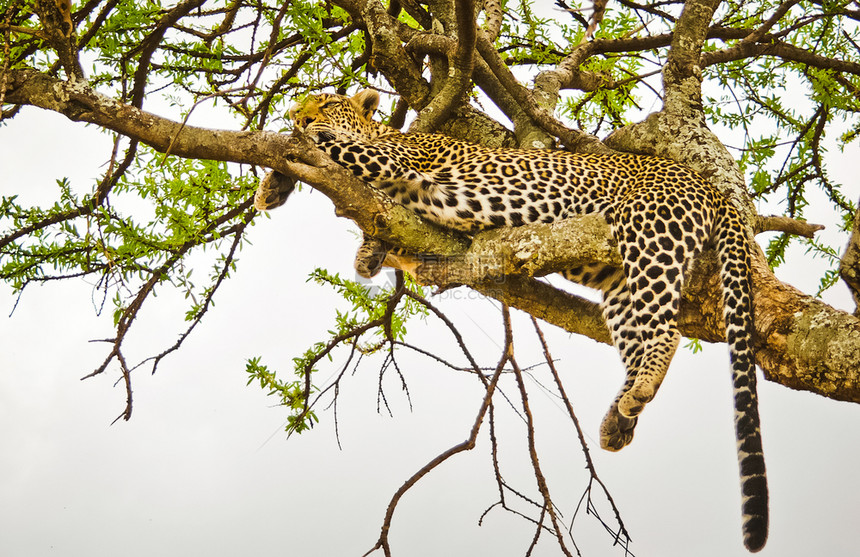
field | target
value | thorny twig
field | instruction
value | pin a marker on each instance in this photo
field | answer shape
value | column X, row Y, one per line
column 621, row 536
column 468, row 444
column 539, row 476
column 130, row 313
column 501, row 483
column 384, row 321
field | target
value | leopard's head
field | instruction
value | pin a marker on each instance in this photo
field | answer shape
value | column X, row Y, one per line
column 326, row 114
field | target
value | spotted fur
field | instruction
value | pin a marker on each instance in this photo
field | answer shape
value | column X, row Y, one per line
column 661, row 214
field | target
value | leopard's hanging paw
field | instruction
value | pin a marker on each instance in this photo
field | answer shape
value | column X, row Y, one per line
column 370, row 256
column 273, row 191
column 616, row 431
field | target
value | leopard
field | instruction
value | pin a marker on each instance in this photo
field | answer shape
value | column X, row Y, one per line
column 661, row 214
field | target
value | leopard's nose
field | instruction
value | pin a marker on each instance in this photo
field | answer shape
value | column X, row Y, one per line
column 303, row 122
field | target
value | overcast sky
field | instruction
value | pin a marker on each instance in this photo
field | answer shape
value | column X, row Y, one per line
column 204, row 468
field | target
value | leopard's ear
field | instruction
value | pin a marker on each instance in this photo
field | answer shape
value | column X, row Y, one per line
column 366, row 102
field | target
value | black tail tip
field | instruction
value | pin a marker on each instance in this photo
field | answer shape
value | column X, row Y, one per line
column 754, row 545
column 755, row 534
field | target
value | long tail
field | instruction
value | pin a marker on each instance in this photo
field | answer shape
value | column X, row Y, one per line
column 735, row 260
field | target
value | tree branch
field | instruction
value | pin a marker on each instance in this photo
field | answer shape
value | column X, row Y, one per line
column 682, row 75
column 459, row 79
column 389, row 54
column 772, row 47
column 150, row 44
column 466, row 445
column 574, row 140
column 775, row 223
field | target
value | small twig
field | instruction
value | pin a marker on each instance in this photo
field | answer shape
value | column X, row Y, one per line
column 353, row 350
column 129, row 314
column 435, row 357
column 182, row 124
column 501, row 483
column 37, row 33
column 353, row 335
column 444, row 318
column 126, row 377
column 207, row 302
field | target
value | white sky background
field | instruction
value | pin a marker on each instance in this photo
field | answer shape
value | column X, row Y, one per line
column 203, row 467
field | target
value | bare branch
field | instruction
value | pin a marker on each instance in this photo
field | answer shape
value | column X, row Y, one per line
column 779, row 50
column 622, row 530
column 530, row 429
column 775, row 223
column 466, row 445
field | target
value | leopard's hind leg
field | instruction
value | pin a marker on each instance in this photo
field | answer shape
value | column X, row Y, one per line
column 641, row 320
column 653, row 297
column 657, row 242
column 616, row 431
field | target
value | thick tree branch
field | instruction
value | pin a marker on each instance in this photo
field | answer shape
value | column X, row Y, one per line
column 428, row 43
column 389, row 54
column 568, row 75
column 59, row 29
column 801, row 342
column 494, row 19
column 557, row 307
column 574, row 140
column 682, row 75
column 370, row 209
column 459, row 78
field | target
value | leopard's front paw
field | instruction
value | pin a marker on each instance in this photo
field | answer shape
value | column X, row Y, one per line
column 370, row 256
column 368, row 266
column 273, row 191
